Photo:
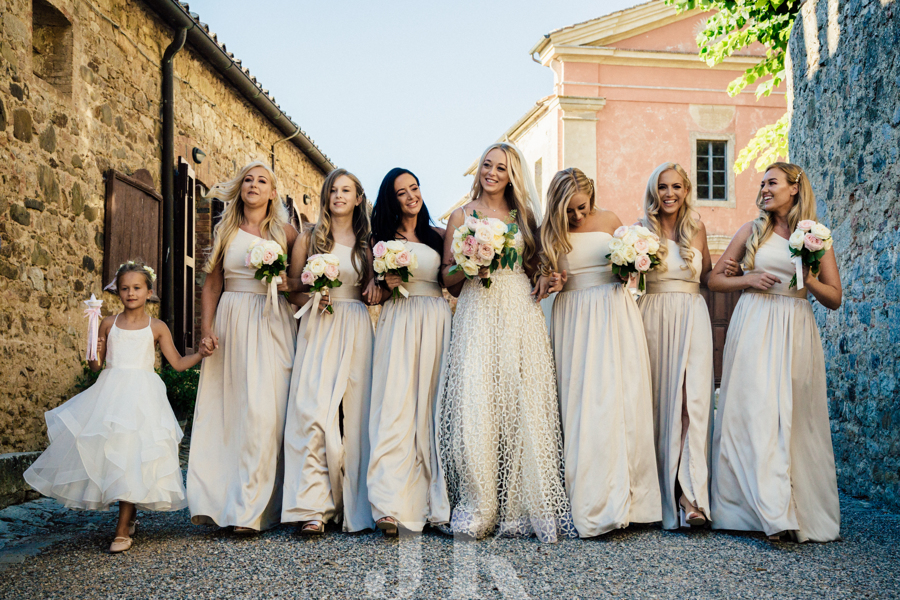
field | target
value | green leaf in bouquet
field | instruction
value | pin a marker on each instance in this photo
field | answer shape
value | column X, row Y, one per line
column 336, row 283
column 513, row 229
column 512, row 215
column 475, row 214
column 503, row 261
column 793, row 282
column 259, row 274
column 454, row 269
column 486, row 282
column 817, row 255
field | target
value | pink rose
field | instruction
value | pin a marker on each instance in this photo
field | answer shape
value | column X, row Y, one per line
column 642, row 246
column 307, row 278
column 805, row 224
column 404, row 258
column 812, row 243
column 486, row 252
column 470, row 246
column 379, row 250
column 642, row 262
column 332, row 272
column 269, row 257
column 472, row 223
column 247, row 260
column 620, row 232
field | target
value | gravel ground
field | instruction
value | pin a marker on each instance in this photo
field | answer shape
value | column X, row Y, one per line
column 67, row 558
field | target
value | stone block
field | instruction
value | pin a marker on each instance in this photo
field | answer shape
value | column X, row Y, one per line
column 8, row 54
column 13, row 488
column 40, row 257
column 20, row 215
column 34, row 204
column 2, row 116
column 48, row 184
column 17, row 91
column 47, row 140
column 22, row 125
column 77, row 198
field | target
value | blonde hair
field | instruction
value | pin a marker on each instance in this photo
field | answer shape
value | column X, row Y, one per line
column 229, row 192
column 321, row 241
column 804, row 208
column 686, row 226
column 516, row 194
column 555, row 228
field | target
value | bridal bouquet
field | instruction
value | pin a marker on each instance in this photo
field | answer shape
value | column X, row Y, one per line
column 809, row 243
column 270, row 261
column 486, row 242
column 394, row 258
column 633, row 250
column 320, row 273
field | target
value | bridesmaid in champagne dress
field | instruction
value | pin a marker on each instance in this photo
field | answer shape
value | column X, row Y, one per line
column 772, row 459
column 603, row 373
column 679, row 338
column 235, row 466
column 326, row 439
column 406, row 484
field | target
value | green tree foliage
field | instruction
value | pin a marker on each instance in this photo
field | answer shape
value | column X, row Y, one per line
column 734, row 26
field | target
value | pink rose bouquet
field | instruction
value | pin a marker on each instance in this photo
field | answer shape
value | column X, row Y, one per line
column 395, row 258
column 483, row 242
column 809, row 243
column 270, row 261
column 320, row 273
column 633, row 250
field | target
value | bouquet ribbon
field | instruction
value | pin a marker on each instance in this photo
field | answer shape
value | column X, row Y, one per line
column 271, row 294
column 403, row 291
column 309, row 306
column 92, row 312
column 798, row 266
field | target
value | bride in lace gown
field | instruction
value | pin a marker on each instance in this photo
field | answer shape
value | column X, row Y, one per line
column 499, row 429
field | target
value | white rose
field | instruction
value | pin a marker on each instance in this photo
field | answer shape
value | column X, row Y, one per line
column 456, row 246
column 317, row 266
column 472, row 223
column 617, row 257
column 256, row 255
column 274, row 247
column 653, row 246
column 615, row 244
column 628, row 253
column 643, row 231
column 470, row 268
column 499, row 242
column 331, row 259
column 498, row 226
column 390, row 260
column 484, row 234
column 828, row 244
column 379, row 265
column 796, row 240
column 459, row 233
column 629, row 238
column 395, row 246
column 820, row 231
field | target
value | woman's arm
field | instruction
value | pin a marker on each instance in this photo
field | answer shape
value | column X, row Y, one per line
column 102, row 334
column 827, row 286
column 453, row 282
column 288, row 283
column 163, row 337
column 706, row 266
column 209, row 302
column 719, row 281
column 298, row 296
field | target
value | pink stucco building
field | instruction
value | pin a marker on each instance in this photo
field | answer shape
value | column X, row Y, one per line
column 630, row 92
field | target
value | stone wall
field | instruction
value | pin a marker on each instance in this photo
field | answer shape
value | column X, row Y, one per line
column 845, row 131
column 80, row 98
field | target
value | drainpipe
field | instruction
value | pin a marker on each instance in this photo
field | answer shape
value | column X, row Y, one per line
column 293, row 135
column 167, row 304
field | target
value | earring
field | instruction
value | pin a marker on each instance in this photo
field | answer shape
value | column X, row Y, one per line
column 509, row 185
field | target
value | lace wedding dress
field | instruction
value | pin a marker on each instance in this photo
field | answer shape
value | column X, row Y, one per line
column 500, row 441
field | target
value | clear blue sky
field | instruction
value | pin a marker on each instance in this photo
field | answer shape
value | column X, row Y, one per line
column 421, row 85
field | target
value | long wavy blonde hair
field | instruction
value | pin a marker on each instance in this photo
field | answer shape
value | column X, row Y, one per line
column 686, row 226
column 804, row 208
column 518, row 197
column 555, row 228
column 229, row 192
column 321, row 240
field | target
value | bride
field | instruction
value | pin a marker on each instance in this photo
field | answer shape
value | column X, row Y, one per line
column 500, row 441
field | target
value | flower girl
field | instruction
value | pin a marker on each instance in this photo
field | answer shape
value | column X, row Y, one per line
column 118, row 440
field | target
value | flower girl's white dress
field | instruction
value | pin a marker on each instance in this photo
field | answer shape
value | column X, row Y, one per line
column 118, row 439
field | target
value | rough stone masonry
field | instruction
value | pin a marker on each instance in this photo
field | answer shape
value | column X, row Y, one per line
column 845, row 132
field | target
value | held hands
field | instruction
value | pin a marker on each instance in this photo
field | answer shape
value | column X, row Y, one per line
column 208, row 340
column 205, row 350
column 374, row 294
column 484, row 273
column 548, row 284
column 325, row 302
column 393, row 281
column 733, row 268
column 287, row 284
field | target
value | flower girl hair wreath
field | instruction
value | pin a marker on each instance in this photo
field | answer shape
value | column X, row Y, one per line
column 133, row 266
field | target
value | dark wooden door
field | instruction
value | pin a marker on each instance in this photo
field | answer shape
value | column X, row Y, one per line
column 185, row 210
column 721, row 306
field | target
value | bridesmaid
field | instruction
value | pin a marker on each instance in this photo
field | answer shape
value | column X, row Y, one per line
column 772, row 459
column 603, row 373
column 235, row 466
column 679, row 338
column 406, row 485
column 326, row 440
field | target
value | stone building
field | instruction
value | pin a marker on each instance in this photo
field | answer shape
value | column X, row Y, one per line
column 845, row 132
column 85, row 172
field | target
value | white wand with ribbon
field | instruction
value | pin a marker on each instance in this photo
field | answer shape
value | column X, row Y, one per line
column 92, row 312
column 798, row 267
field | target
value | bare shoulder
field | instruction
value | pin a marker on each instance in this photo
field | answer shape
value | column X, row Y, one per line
column 457, row 217
column 608, row 219
column 290, row 233
column 107, row 323
column 743, row 234
column 701, row 228
column 157, row 326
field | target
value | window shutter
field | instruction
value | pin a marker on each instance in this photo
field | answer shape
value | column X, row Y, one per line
column 185, row 210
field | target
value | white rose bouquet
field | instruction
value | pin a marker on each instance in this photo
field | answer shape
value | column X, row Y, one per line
column 486, row 242
column 270, row 260
column 809, row 243
column 633, row 250
column 394, row 258
column 320, row 273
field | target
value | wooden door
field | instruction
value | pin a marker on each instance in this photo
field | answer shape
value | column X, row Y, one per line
column 721, row 306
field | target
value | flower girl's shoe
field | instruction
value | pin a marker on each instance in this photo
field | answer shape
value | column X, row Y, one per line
column 120, row 544
column 389, row 526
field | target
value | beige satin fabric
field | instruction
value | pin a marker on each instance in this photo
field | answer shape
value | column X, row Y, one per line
column 603, row 377
column 325, row 471
column 235, row 466
column 679, row 340
column 412, row 340
column 772, row 458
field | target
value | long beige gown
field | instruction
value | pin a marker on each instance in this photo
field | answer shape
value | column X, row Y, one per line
column 772, row 459
column 235, row 466
column 326, row 439
column 603, row 377
column 679, row 338
column 411, row 344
